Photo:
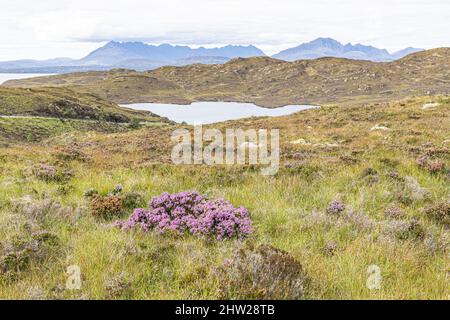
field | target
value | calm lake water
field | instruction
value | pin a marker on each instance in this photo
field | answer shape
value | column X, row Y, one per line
column 210, row 112
column 10, row 76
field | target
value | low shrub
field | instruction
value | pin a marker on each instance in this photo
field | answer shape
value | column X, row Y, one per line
column 439, row 212
column 413, row 230
column 369, row 172
column 357, row 219
column 404, row 230
column 89, row 193
column 370, row 176
column 330, row 248
column 36, row 293
column 409, row 192
column 395, row 176
column 20, row 252
column 50, row 173
column 39, row 211
column 107, row 207
column 335, row 207
column 71, row 153
column 388, row 162
column 348, row 159
column 433, row 166
column 436, row 166
column 117, row 286
column 44, row 171
column 264, row 272
column 394, row 212
column 190, row 212
column 118, row 188
column 132, row 200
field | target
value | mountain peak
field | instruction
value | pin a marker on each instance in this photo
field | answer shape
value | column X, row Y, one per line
column 329, row 47
column 123, row 54
column 325, row 41
column 112, row 43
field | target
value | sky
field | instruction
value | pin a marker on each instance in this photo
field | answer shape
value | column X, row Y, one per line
column 43, row 29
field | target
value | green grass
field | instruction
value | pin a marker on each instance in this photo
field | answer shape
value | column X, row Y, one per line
column 288, row 210
column 36, row 129
column 162, row 267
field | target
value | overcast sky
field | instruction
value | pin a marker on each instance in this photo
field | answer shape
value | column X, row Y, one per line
column 54, row 28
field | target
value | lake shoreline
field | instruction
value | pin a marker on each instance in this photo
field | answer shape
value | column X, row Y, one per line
column 208, row 112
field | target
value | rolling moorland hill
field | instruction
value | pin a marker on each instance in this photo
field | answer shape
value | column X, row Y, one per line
column 266, row 81
column 65, row 103
column 30, row 115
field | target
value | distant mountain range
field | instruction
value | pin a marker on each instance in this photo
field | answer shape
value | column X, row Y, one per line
column 327, row 47
column 123, row 53
column 140, row 56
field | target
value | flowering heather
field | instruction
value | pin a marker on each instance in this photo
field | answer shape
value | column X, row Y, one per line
column 335, row 207
column 436, row 166
column 433, row 166
column 190, row 212
column 44, row 171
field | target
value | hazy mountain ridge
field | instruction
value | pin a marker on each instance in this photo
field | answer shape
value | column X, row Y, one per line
column 266, row 81
column 140, row 56
column 327, row 47
column 118, row 52
column 133, row 55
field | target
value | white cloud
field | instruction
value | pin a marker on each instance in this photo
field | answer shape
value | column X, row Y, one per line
column 49, row 28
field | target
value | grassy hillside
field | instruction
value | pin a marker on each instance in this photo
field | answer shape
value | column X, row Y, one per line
column 65, row 103
column 34, row 129
column 359, row 186
column 268, row 82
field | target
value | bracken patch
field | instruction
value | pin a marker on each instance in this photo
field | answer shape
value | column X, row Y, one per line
column 107, row 207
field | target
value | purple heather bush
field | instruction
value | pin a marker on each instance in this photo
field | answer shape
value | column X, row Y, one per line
column 335, row 207
column 190, row 212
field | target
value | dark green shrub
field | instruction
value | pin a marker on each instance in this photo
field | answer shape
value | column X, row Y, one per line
column 133, row 200
column 17, row 255
column 264, row 272
column 91, row 192
column 414, row 231
column 50, row 173
column 439, row 212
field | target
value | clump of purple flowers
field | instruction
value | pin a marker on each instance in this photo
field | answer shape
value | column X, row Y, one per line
column 190, row 212
column 335, row 207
